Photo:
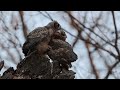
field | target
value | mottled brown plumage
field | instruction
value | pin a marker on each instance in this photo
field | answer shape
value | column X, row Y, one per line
column 60, row 34
column 50, row 40
column 61, row 51
column 39, row 38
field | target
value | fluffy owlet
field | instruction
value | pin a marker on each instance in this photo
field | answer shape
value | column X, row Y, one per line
column 39, row 38
column 61, row 50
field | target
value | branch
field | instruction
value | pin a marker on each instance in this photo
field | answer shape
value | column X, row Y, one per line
column 96, row 45
column 24, row 27
column 71, row 16
column 116, row 33
column 47, row 16
column 1, row 65
column 110, row 69
column 91, row 61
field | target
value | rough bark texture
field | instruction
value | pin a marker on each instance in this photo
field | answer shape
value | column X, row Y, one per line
column 37, row 66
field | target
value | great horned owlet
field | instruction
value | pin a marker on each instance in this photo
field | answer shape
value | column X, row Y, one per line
column 39, row 38
column 60, row 34
column 61, row 50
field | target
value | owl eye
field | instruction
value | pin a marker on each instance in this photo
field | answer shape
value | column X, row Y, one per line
column 63, row 33
column 57, row 25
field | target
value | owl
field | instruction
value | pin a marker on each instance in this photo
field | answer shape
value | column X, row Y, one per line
column 60, row 34
column 38, row 39
column 61, row 50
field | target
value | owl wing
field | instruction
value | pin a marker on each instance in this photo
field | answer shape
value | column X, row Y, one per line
column 38, row 35
column 63, row 53
column 62, row 50
column 57, row 43
column 38, row 32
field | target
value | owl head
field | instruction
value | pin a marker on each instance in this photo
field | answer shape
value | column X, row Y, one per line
column 53, row 25
column 60, row 34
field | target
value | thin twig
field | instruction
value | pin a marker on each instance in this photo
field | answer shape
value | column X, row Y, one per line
column 49, row 16
column 97, row 24
column 24, row 26
column 110, row 69
column 88, row 28
column 116, row 33
column 96, row 45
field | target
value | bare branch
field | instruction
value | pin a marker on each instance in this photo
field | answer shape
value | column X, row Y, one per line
column 110, row 69
column 116, row 33
column 1, row 65
column 24, row 26
column 91, row 60
column 47, row 16
column 71, row 16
